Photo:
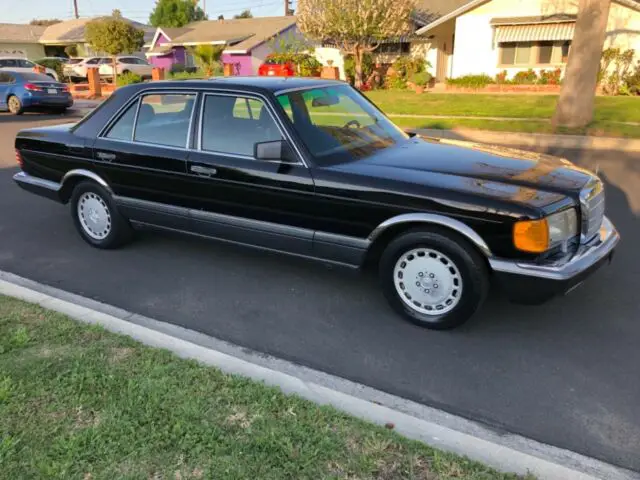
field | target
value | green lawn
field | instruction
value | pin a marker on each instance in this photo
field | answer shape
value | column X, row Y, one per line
column 608, row 110
column 77, row 402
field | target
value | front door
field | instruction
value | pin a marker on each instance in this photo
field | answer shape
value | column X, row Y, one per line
column 143, row 154
column 442, row 68
column 265, row 203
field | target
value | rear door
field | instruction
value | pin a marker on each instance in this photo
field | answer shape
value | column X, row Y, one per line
column 142, row 154
column 240, row 198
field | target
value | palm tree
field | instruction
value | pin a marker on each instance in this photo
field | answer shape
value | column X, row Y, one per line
column 207, row 57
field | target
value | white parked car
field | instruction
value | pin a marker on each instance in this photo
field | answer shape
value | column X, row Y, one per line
column 127, row 64
column 79, row 68
column 18, row 64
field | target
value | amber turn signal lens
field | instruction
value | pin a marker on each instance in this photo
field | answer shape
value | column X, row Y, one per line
column 531, row 236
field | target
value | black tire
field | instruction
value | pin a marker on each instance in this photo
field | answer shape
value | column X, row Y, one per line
column 119, row 231
column 471, row 277
column 15, row 105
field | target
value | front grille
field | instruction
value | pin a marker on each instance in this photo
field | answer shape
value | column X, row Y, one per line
column 592, row 207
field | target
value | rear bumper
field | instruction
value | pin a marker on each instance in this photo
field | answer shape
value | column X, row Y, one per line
column 532, row 283
column 39, row 186
column 46, row 101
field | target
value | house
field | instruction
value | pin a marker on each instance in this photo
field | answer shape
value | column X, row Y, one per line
column 490, row 36
column 246, row 41
column 21, row 40
column 72, row 32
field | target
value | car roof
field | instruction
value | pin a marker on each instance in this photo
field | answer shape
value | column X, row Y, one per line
column 270, row 84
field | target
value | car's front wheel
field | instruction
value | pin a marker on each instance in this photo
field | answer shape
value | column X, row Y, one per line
column 434, row 278
column 96, row 217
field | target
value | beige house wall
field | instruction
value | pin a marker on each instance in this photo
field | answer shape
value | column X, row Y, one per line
column 476, row 53
column 32, row 51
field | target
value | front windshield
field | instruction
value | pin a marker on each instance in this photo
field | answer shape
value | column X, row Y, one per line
column 337, row 124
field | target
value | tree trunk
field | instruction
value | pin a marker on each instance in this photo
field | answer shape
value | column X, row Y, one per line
column 576, row 102
column 358, row 55
column 115, row 71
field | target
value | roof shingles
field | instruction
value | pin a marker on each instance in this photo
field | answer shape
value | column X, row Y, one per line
column 16, row 33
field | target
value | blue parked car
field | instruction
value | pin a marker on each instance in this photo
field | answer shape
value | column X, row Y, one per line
column 20, row 91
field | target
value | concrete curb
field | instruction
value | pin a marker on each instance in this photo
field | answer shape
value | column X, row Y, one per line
column 501, row 450
column 534, row 140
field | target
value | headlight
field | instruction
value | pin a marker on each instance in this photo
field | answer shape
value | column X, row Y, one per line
column 538, row 236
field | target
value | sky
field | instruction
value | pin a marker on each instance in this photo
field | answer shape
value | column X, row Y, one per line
column 23, row 11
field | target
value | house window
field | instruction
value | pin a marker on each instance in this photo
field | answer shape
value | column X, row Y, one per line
column 534, row 53
column 394, row 48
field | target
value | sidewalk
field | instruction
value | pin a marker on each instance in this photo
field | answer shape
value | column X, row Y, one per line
column 534, row 140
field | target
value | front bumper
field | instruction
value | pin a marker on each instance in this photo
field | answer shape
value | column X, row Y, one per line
column 532, row 283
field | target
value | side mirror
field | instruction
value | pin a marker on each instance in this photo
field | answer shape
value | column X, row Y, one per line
column 277, row 150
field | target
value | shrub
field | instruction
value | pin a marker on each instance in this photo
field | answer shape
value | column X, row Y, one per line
column 529, row 77
column 471, row 81
column 128, row 78
column 56, row 65
column 187, row 75
column 552, row 77
column 350, row 67
column 406, row 66
column 501, row 78
column 306, row 65
column 395, row 82
column 632, row 82
column 421, row 79
column 613, row 81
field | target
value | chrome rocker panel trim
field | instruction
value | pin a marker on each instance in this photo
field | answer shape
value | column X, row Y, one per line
column 587, row 256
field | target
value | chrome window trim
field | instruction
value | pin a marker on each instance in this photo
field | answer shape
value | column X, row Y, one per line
column 135, row 119
column 309, row 87
column 147, row 144
column 277, row 121
column 204, row 90
column 147, row 91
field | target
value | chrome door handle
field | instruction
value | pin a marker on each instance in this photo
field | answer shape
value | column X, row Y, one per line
column 207, row 171
column 109, row 157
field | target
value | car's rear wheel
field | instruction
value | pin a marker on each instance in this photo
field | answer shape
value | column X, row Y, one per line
column 15, row 105
column 433, row 278
column 96, row 217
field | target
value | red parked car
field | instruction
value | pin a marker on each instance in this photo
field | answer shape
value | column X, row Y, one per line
column 275, row 68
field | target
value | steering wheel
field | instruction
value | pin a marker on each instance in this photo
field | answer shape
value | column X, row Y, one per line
column 352, row 123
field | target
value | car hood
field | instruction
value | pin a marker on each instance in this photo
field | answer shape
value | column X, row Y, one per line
column 483, row 162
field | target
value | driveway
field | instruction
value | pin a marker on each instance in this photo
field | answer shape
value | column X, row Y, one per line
column 566, row 373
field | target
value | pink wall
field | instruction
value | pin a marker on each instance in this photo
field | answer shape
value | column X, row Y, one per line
column 177, row 55
column 243, row 62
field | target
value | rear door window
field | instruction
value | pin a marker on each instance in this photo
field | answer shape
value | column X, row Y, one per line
column 163, row 119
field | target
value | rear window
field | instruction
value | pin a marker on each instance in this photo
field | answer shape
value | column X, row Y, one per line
column 273, row 61
column 73, row 61
column 35, row 77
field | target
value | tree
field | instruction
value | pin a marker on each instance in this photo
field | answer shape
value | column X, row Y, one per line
column 207, row 57
column 356, row 26
column 44, row 22
column 176, row 13
column 220, row 17
column 71, row 50
column 114, row 36
column 244, row 14
column 577, row 97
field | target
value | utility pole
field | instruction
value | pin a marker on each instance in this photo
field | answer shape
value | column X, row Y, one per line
column 287, row 10
column 75, row 9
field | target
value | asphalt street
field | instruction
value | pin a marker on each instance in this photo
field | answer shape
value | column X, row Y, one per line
column 566, row 373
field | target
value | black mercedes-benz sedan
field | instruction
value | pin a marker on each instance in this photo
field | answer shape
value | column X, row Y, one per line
column 312, row 168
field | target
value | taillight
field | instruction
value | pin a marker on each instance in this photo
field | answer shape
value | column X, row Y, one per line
column 65, row 88
column 19, row 158
column 31, row 87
